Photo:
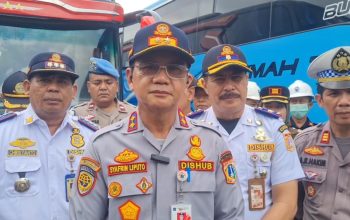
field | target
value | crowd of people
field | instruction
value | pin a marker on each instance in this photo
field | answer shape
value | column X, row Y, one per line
column 217, row 147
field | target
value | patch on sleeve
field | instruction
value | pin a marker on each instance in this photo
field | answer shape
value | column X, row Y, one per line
column 267, row 112
column 228, row 167
column 288, row 141
column 7, row 116
column 282, row 128
column 90, row 125
column 129, row 211
column 87, row 176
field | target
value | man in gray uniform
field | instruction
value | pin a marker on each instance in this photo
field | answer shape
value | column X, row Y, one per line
column 157, row 164
column 104, row 108
column 324, row 149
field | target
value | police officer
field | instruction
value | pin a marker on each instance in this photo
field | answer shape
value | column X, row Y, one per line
column 253, row 94
column 13, row 94
column 40, row 147
column 301, row 97
column 157, row 164
column 104, row 108
column 201, row 99
column 267, row 163
column 276, row 98
column 324, row 149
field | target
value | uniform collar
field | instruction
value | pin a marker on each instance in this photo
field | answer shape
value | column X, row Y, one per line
column 134, row 123
column 30, row 117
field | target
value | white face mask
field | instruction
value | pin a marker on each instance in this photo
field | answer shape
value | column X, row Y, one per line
column 299, row 111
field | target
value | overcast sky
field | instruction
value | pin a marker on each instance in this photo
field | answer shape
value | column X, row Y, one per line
column 134, row 5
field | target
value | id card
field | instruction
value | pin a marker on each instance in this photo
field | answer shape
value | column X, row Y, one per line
column 69, row 180
column 181, row 212
column 256, row 194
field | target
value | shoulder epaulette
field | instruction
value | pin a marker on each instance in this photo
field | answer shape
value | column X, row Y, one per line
column 267, row 112
column 195, row 114
column 7, row 116
column 204, row 125
column 92, row 126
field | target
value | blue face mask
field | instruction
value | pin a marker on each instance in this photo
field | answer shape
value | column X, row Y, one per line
column 299, row 111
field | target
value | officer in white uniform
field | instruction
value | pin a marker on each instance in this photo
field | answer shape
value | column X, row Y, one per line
column 40, row 147
column 265, row 155
column 157, row 164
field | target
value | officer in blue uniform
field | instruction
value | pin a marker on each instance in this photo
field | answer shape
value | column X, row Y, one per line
column 104, row 107
column 265, row 155
column 13, row 94
column 40, row 147
column 157, row 164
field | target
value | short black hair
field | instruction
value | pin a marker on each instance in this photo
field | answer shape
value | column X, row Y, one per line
column 320, row 89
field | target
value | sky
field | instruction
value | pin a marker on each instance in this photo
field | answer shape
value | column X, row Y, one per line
column 134, row 5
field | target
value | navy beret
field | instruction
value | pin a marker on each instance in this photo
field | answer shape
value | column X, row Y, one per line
column 102, row 67
column 160, row 35
column 52, row 62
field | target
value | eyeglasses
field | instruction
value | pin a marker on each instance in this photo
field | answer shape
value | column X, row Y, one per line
column 174, row 71
column 221, row 78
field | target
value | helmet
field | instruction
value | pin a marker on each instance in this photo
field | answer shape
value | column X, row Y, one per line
column 300, row 89
column 253, row 91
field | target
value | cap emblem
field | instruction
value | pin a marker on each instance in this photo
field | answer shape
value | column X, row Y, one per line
column 19, row 89
column 56, row 58
column 227, row 54
column 275, row 91
column 162, row 36
column 163, row 29
column 341, row 61
column 297, row 88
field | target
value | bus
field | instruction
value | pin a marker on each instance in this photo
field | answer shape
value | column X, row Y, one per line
column 279, row 37
column 78, row 28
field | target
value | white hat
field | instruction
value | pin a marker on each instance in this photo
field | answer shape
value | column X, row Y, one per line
column 300, row 89
column 253, row 91
column 332, row 68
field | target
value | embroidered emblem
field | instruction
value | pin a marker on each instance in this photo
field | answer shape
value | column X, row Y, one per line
column 144, row 185
column 129, row 211
column 19, row 89
column 195, row 152
column 314, row 150
column 326, row 137
column 87, row 175
column 196, row 165
column 261, row 147
column 228, row 167
column 182, row 118
column 132, row 122
column 341, row 62
column 162, row 36
column 126, row 156
column 22, row 143
column 118, row 169
column 283, row 128
column 311, row 175
column 76, row 139
column 310, row 190
column 275, row 91
column 22, row 153
column 114, row 189
column 288, row 141
column 260, row 135
column 227, row 54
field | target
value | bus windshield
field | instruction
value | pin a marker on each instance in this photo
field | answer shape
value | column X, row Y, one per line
column 19, row 44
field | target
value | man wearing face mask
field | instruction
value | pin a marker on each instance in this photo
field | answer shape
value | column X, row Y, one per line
column 301, row 97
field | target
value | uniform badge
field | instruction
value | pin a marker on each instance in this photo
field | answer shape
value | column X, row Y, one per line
column 261, row 135
column 195, row 152
column 162, row 36
column 144, row 185
column 326, row 137
column 87, row 175
column 341, row 61
column 310, row 190
column 283, row 128
column 114, row 189
column 132, row 122
column 314, row 150
column 311, row 175
column 182, row 175
column 22, row 143
column 261, row 147
column 126, row 156
column 22, row 185
column 228, row 167
column 129, row 211
column 29, row 120
column 76, row 139
column 288, row 141
column 182, row 118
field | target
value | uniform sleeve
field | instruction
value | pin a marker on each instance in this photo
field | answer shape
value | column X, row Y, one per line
column 285, row 162
column 229, row 202
column 89, row 199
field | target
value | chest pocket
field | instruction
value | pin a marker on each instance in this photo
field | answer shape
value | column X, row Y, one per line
column 126, row 185
column 29, row 168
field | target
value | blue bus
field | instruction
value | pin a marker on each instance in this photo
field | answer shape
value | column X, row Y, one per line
column 279, row 37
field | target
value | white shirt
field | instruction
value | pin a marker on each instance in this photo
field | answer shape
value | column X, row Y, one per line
column 282, row 164
column 26, row 146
